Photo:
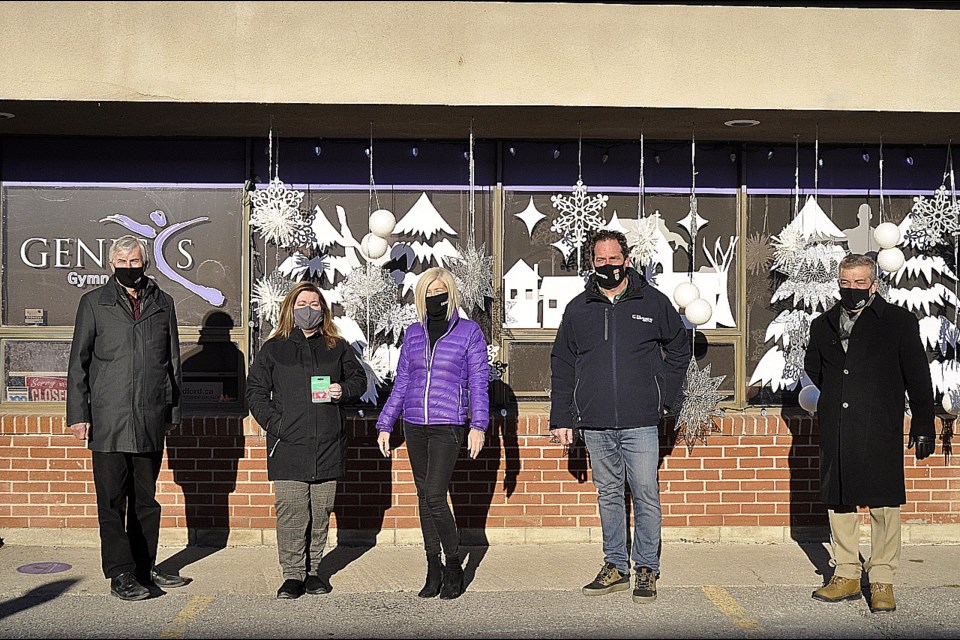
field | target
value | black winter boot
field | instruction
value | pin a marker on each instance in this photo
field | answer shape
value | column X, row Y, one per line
column 452, row 579
column 434, row 577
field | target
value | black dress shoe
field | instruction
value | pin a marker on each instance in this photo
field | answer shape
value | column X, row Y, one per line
column 315, row 586
column 126, row 587
column 290, row 589
column 167, row 580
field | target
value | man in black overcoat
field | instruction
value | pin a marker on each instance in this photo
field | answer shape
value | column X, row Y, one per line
column 864, row 354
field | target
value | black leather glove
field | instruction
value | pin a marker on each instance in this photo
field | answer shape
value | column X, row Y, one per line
column 925, row 446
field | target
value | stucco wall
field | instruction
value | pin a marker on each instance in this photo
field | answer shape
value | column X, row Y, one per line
column 480, row 53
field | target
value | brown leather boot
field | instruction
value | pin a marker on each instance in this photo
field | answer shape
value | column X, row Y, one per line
column 881, row 597
column 838, row 589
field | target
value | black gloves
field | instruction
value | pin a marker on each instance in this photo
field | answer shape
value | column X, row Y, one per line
column 925, row 446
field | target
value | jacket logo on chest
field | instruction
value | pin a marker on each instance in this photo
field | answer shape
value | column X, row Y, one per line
column 637, row 316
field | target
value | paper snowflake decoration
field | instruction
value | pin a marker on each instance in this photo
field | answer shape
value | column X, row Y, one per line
column 367, row 295
column 473, row 273
column 933, row 221
column 276, row 213
column 393, row 323
column 759, row 254
column 579, row 215
column 810, row 267
column 645, row 246
column 699, row 407
column 268, row 295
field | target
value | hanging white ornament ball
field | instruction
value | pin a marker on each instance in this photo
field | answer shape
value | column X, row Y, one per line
column 887, row 235
column 890, row 260
column 948, row 402
column 809, row 397
column 382, row 223
column 685, row 293
column 373, row 246
column 698, row 311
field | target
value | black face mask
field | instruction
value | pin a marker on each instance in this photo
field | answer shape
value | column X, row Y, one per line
column 609, row 276
column 854, row 299
column 437, row 306
column 129, row 277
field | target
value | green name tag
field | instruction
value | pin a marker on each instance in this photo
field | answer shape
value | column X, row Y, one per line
column 320, row 388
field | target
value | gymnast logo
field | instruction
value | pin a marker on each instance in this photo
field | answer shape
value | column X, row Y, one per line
column 160, row 238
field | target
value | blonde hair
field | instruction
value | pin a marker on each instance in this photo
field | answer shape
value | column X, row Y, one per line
column 427, row 278
column 286, row 323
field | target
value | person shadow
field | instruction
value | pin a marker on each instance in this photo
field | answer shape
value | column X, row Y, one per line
column 34, row 597
column 364, row 494
column 204, row 453
column 809, row 525
column 474, row 486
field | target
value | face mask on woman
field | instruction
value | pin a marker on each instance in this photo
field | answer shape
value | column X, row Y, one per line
column 307, row 317
column 437, row 306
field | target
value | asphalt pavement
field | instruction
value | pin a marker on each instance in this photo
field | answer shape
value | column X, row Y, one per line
column 706, row 590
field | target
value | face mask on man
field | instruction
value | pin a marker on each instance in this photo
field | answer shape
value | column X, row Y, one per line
column 854, row 299
column 129, row 277
column 307, row 317
column 609, row 276
column 437, row 306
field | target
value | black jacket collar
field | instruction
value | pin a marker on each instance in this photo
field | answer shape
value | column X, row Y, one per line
column 636, row 284
column 877, row 306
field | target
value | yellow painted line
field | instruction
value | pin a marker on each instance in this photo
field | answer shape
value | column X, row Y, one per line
column 178, row 626
column 729, row 607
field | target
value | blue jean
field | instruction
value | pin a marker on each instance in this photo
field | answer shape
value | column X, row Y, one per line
column 618, row 456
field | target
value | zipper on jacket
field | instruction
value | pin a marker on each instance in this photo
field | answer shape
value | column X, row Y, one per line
column 659, row 397
column 613, row 352
column 576, row 406
column 459, row 397
column 430, row 354
column 606, row 324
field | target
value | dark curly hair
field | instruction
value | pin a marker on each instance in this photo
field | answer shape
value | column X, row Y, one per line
column 607, row 234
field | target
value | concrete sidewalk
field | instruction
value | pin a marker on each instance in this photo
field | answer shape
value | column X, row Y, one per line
column 557, row 567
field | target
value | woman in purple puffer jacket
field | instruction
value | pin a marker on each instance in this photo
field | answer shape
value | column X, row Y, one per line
column 441, row 379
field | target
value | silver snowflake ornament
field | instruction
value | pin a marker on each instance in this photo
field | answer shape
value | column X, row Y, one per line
column 276, row 213
column 268, row 294
column 473, row 273
column 579, row 214
column 393, row 323
column 367, row 295
column 699, row 406
column 933, row 221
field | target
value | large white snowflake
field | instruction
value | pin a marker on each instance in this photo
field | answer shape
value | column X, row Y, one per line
column 579, row 215
column 933, row 221
column 367, row 295
column 473, row 273
column 268, row 294
column 276, row 213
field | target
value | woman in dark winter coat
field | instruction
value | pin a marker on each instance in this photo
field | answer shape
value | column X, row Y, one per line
column 301, row 378
column 441, row 378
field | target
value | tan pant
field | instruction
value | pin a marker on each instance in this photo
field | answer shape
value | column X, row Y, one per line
column 884, row 543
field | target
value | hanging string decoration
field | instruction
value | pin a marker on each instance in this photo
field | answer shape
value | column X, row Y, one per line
column 701, row 396
column 579, row 216
column 268, row 294
column 276, row 213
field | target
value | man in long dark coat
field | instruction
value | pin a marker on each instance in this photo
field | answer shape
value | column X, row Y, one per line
column 123, row 396
column 863, row 355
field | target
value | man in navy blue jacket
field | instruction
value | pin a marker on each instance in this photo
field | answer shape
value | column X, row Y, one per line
column 618, row 365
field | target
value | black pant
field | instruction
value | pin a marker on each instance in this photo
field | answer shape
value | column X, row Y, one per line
column 127, row 510
column 433, row 451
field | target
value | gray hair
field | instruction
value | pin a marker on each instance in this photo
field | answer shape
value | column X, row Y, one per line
column 856, row 260
column 125, row 244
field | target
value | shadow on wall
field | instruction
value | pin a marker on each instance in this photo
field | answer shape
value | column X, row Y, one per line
column 204, row 453
column 475, row 482
column 809, row 526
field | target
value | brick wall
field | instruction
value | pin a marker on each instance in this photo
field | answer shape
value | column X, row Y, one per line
column 757, row 471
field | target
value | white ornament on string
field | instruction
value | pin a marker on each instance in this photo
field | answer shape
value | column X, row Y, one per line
column 373, row 246
column 382, row 223
column 890, row 260
column 699, row 311
column 887, row 235
column 809, row 397
column 685, row 293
